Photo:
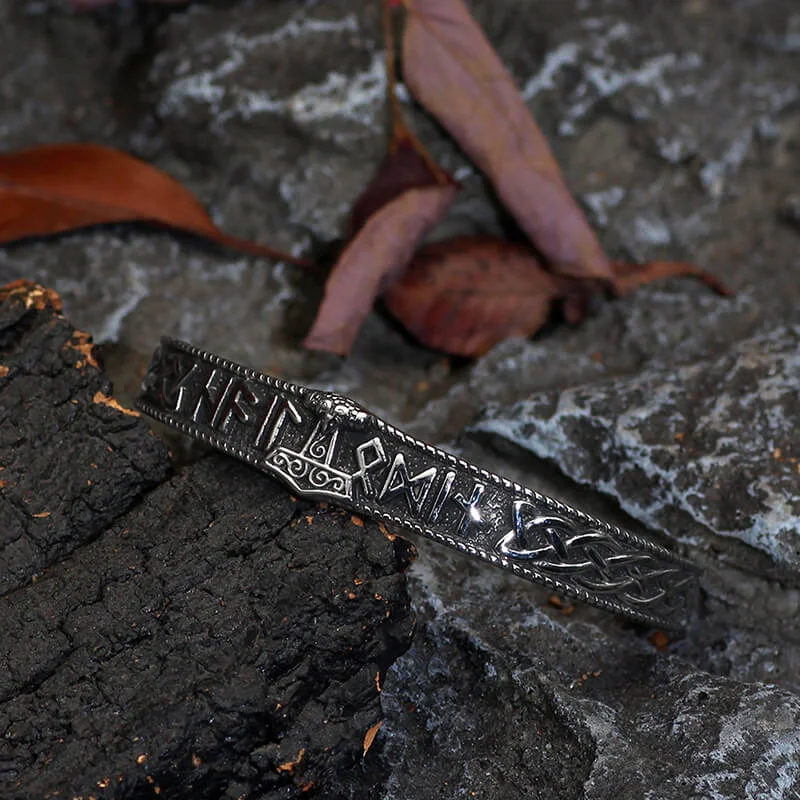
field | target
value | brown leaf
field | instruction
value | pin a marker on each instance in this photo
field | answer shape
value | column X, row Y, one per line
column 372, row 261
column 61, row 187
column 629, row 277
column 408, row 164
column 407, row 197
column 451, row 68
column 466, row 294
column 406, row 167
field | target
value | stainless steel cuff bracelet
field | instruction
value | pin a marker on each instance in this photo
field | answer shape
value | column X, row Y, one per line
column 325, row 446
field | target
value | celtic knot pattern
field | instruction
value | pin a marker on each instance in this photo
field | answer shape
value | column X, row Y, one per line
column 590, row 557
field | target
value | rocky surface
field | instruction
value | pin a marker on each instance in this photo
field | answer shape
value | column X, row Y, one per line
column 679, row 454
column 678, row 126
column 515, row 699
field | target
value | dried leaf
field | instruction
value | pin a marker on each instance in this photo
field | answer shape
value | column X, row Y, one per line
column 369, row 736
column 61, row 187
column 408, row 164
column 407, row 197
column 451, row 68
column 466, row 294
column 372, row 261
column 406, row 167
column 629, row 277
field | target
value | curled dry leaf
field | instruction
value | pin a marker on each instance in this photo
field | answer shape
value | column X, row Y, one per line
column 464, row 295
column 62, row 187
column 374, row 259
column 450, row 67
column 577, row 293
column 407, row 197
column 406, row 167
column 369, row 736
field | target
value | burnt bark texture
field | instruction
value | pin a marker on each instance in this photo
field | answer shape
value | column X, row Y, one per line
column 221, row 639
column 71, row 459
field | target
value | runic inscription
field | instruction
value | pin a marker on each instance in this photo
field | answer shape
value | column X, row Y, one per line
column 414, row 488
column 417, row 489
column 213, row 397
column 325, row 445
column 310, row 452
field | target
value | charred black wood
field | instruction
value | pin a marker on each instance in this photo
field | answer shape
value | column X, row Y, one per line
column 219, row 639
column 71, row 458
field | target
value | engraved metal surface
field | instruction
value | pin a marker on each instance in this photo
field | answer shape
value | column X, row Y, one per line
column 326, row 446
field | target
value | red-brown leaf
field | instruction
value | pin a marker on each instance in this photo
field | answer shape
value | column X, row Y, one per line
column 406, row 167
column 451, row 68
column 629, row 277
column 407, row 197
column 466, row 294
column 371, row 261
column 62, row 187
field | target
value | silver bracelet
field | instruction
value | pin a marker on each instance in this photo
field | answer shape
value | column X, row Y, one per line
column 327, row 447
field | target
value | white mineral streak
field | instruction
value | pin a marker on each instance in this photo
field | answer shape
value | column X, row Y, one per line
column 136, row 289
column 625, row 445
column 564, row 55
column 652, row 231
column 599, row 68
column 357, row 97
column 601, row 74
column 603, row 201
column 612, row 747
column 759, row 719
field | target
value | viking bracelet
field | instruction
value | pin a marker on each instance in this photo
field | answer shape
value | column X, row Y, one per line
column 327, row 447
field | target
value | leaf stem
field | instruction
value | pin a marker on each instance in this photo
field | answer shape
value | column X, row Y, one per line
column 396, row 121
column 253, row 248
column 400, row 132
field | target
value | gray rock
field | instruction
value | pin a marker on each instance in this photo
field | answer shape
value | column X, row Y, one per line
column 505, row 695
column 272, row 114
column 502, row 736
column 275, row 142
column 646, row 206
column 677, row 126
column 647, row 62
column 57, row 77
column 790, row 211
column 704, row 449
column 652, row 747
